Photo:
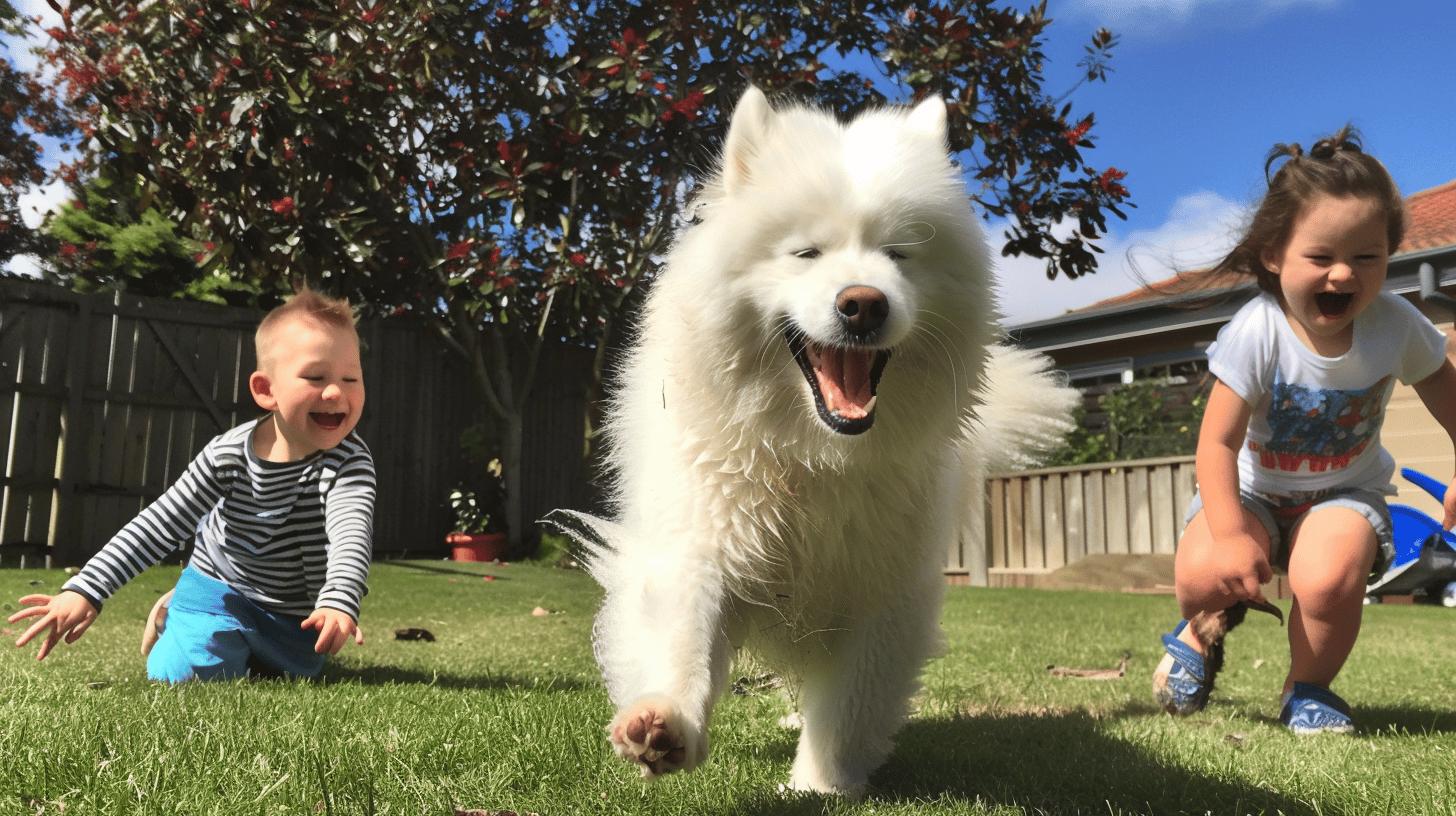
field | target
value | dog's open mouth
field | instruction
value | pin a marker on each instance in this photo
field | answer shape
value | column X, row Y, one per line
column 1333, row 304
column 843, row 380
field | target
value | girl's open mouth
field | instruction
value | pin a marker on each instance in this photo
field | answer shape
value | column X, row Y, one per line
column 329, row 422
column 1333, row 304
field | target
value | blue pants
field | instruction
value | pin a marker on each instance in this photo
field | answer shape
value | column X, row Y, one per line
column 213, row 632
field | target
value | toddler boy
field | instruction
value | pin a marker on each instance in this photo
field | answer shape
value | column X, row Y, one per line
column 280, row 510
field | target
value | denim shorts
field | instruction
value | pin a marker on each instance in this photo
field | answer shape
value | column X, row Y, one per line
column 1279, row 514
column 214, row 632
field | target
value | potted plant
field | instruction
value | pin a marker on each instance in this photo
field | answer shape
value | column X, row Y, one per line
column 472, row 539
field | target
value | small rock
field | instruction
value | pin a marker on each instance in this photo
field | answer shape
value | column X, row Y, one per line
column 1259, row 664
column 414, row 633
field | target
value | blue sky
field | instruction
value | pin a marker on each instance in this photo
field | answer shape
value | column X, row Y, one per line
column 1201, row 89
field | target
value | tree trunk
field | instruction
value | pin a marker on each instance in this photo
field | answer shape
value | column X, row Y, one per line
column 511, row 469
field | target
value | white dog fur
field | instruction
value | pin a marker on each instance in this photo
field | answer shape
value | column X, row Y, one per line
column 741, row 517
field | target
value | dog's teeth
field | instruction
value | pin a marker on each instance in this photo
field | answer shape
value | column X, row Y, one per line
column 870, row 406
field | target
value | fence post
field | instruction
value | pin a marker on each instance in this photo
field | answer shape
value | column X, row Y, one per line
column 68, row 507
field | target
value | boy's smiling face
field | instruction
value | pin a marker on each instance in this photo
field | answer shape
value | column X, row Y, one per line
column 313, row 383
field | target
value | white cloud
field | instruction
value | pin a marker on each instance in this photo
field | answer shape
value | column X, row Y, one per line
column 1198, row 230
column 27, row 265
column 18, row 50
column 34, row 205
column 38, row 202
column 1151, row 15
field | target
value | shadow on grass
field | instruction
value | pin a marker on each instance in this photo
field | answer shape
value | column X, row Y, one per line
column 397, row 675
column 1056, row 763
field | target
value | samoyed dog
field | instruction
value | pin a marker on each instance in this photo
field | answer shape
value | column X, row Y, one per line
column 814, row 379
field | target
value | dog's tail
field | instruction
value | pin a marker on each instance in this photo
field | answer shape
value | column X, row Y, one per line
column 1025, row 410
column 595, row 539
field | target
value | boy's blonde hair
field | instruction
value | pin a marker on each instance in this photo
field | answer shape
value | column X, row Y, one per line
column 306, row 304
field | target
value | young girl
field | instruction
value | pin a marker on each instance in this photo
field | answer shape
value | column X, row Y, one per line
column 1291, row 473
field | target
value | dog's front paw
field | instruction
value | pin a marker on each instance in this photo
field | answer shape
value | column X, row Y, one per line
column 652, row 733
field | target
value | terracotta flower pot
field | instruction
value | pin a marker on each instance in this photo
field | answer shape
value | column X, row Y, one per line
column 470, row 547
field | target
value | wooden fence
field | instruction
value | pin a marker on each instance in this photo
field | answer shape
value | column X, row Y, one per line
column 105, row 399
column 1039, row 520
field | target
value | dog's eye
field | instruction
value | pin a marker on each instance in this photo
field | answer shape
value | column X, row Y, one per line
column 894, row 254
column 808, row 254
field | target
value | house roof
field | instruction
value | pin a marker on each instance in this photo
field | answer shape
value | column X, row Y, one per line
column 1431, row 224
column 1190, row 301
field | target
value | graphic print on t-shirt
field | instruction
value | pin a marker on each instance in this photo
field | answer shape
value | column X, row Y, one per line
column 1319, row 429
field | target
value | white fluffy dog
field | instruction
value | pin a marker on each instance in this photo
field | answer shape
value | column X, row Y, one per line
column 814, row 378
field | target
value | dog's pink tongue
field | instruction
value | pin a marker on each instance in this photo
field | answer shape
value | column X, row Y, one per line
column 844, row 380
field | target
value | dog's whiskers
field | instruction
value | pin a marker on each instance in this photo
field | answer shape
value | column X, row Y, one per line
column 930, row 330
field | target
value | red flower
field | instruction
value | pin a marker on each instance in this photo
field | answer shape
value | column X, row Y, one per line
column 687, row 107
column 371, row 15
column 1075, row 134
column 283, row 206
column 1108, row 182
column 578, row 259
column 458, row 250
column 495, row 256
column 69, row 250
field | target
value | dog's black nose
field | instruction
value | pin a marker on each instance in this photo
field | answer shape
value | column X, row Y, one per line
column 862, row 308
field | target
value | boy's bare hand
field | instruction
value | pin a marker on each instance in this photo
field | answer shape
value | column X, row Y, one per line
column 334, row 628
column 67, row 615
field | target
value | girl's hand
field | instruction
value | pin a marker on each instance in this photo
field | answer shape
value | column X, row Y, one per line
column 1242, row 566
column 1450, row 506
column 67, row 615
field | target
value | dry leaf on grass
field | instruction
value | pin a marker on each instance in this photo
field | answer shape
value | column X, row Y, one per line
column 1092, row 674
column 414, row 633
column 1234, row 740
column 487, row 577
column 540, row 612
column 459, row 811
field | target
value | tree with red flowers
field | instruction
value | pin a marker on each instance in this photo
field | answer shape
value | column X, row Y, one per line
column 511, row 171
column 27, row 109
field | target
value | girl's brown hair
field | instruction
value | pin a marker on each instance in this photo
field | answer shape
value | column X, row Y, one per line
column 1335, row 166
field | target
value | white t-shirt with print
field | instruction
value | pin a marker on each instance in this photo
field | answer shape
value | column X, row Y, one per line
column 1316, row 420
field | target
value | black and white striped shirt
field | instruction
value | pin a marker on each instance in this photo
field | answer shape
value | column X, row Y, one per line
column 291, row 536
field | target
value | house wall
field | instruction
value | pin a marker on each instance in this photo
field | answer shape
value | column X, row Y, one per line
column 1410, row 433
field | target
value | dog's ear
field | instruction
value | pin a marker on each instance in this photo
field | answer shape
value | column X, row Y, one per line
column 745, row 133
column 928, row 118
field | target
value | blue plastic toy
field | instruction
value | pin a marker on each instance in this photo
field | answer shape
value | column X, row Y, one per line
column 1425, row 555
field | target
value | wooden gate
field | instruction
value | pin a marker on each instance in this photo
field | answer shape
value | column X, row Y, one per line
column 104, row 400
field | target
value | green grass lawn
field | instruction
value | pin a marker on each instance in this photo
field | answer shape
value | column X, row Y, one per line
column 504, row 711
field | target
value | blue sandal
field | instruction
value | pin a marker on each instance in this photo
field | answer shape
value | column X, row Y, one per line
column 1311, row 709
column 1182, row 682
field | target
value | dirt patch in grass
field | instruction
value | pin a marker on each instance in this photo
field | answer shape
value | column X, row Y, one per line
column 1127, row 573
